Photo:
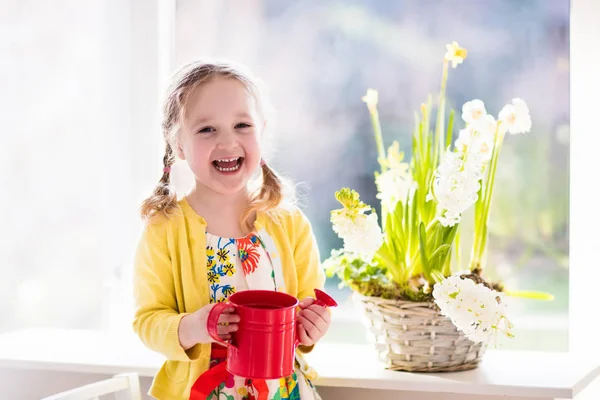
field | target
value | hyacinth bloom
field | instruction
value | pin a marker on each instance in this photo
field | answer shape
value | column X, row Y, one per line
column 476, row 310
column 360, row 231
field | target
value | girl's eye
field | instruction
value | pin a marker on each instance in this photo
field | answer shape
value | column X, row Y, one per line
column 207, row 129
column 242, row 125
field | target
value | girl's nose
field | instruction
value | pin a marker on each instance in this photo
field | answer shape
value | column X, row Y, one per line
column 227, row 139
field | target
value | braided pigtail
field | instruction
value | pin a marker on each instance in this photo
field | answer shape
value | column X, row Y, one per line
column 164, row 199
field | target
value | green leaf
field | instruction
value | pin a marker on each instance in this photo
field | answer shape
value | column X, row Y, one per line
column 457, row 252
column 439, row 236
column 447, row 267
column 440, row 254
column 527, row 294
column 398, row 216
column 437, row 276
column 423, row 252
column 406, row 228
column 449, row 129
column 439, row 259
column 210, row 396
column 451, row 234
column 414, row 217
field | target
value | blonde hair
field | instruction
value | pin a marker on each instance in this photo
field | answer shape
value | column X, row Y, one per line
column 185, row 81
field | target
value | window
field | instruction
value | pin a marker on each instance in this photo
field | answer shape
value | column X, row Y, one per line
column 318, row 58
column 80, row 135
column 81, row 143
column 63, row 149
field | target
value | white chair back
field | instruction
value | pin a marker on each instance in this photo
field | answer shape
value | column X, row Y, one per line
column 119, row 384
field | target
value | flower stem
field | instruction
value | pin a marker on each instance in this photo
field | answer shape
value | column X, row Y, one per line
column 457, row 251
column 439, row 142
column 482, row 212
column 378, row 135
column 380, row 149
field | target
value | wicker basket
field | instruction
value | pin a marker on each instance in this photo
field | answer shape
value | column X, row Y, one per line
column 411, row 336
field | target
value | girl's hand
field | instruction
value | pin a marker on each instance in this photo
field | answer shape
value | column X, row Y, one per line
column 193, row 328
column 314, row 322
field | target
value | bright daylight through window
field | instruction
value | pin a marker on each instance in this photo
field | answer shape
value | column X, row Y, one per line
column 73, row 170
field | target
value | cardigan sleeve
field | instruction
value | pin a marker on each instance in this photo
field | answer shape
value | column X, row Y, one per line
column 156, row 320
column 306, row 257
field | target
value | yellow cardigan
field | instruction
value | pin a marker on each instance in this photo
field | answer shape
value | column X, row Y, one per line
column 170, row 281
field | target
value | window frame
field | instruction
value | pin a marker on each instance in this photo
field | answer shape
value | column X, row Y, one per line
column 152, row 34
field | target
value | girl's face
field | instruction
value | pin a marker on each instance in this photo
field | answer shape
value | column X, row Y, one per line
column 220, row 136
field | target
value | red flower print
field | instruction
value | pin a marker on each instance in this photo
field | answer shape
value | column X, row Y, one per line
column 249, row 255
column 249, row 241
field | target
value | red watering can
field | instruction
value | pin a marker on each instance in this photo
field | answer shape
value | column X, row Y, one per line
column 264, row 345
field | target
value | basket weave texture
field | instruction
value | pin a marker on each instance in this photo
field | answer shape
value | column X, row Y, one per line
column 411, row 336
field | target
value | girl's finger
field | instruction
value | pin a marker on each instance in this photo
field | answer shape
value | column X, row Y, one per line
column 306, row 302
column 227, row 318
column 316, row 319
column 227, row 329
column 322, row 312
column 311, row 330
column 303, row 336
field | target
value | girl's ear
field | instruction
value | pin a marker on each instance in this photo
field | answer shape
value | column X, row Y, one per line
column 179, row 150
column 263, row 128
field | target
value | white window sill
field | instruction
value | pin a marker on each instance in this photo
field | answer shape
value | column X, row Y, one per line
column 503, row 373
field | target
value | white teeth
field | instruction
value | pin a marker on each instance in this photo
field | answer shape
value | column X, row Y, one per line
column 227, row 169
column 228, row 159
column 224, row 160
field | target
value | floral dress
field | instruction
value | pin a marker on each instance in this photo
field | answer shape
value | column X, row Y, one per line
column 240, row 264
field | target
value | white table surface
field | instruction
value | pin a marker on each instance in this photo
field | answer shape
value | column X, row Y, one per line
column 502, row 373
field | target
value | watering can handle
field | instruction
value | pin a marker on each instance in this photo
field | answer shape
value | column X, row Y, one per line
column 212, row 322
column 321, row 299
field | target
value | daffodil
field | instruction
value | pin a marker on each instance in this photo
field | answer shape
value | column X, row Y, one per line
column 515, row 117
column 371, row 98
column 473, row 111
column 478, row 137
column 455, row 54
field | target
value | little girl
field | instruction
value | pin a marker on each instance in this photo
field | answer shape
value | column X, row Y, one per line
column 220, row 238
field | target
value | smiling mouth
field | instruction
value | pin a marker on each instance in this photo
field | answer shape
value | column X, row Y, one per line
column 228, row 164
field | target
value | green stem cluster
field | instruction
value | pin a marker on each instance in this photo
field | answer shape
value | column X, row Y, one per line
column 483, row 205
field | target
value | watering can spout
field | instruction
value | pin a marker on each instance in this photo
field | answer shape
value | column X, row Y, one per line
column 323, row 299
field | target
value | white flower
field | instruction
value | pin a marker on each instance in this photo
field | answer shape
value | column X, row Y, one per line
column 486, row 125
column 473, row 110
column 478, row 137
column 515, row 117
column 474, row 309
column 362, row 236
column 394, row 185
column 360, row 231
column 455, row 54
column 456, row 184
column 371, row 98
